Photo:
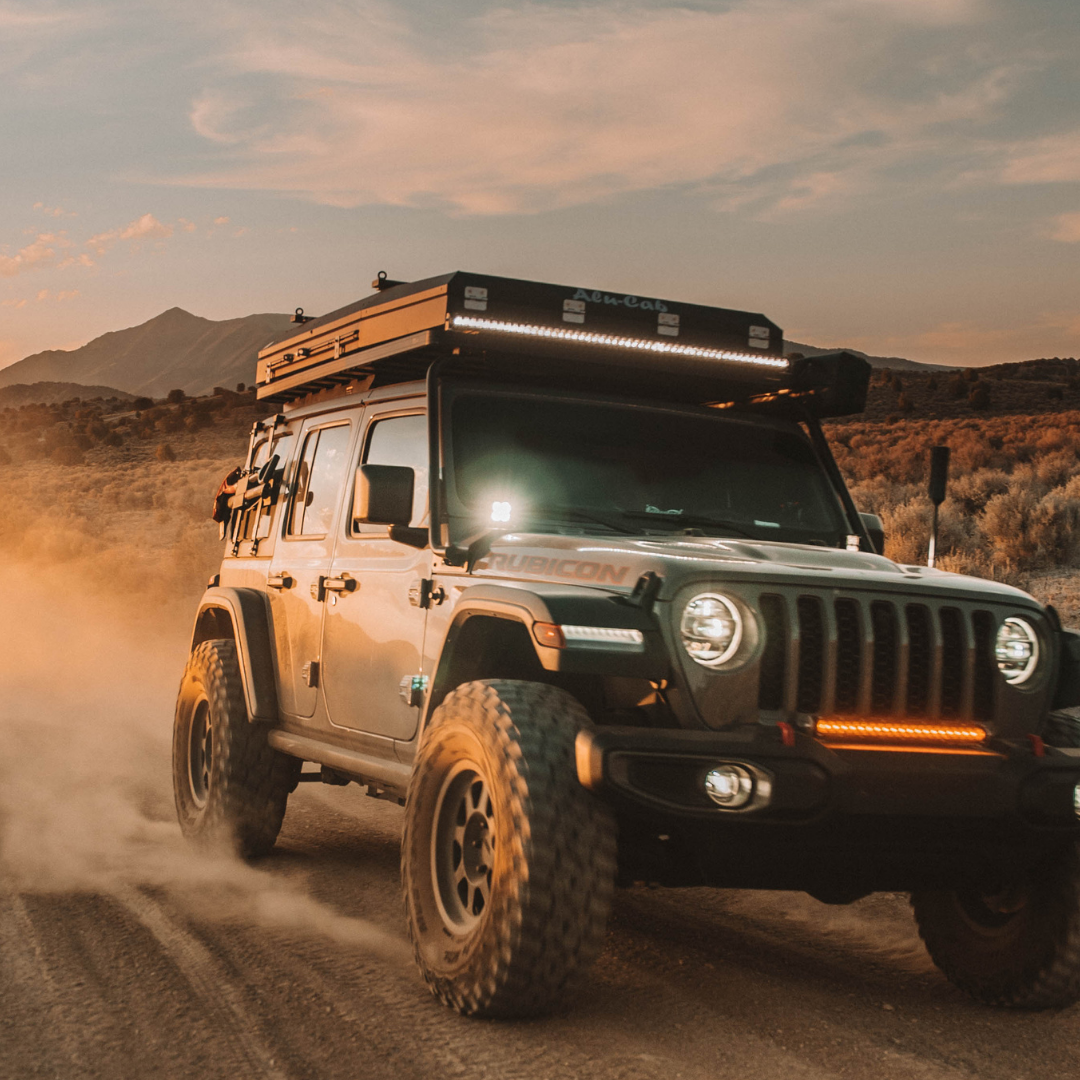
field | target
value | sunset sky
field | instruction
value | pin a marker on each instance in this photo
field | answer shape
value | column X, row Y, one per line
column 899, row 176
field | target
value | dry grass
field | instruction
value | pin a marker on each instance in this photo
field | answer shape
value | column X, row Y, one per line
column 1013, row 511
column 126, row 517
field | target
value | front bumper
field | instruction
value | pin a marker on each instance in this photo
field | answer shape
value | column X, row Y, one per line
column 661, row 773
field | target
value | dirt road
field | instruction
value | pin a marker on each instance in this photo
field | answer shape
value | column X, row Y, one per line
column 123, row 955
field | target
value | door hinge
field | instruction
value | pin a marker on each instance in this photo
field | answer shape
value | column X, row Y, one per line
column 425, row 593
column 412, row 689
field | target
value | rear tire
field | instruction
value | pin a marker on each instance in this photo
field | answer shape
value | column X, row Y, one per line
column 508, row 863
column 230, row 785
column 1019, row 947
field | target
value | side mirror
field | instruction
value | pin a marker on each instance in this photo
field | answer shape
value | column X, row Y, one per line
column 875, row 530
column 383, row 495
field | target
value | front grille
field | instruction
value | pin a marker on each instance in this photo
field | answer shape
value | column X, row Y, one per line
column 855, row 656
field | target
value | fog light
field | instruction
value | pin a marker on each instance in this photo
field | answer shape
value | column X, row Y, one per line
column 731, row 786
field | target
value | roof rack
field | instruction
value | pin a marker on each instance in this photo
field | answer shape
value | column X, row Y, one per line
column 511, row 326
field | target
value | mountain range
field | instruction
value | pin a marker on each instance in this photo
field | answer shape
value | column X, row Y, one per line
column 174, row 351
column 180, row 351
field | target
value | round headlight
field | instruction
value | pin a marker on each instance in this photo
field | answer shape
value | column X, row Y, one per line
column 712, row 629
column 1016, row 650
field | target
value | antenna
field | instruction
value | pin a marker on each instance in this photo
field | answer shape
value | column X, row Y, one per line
column 939, row 479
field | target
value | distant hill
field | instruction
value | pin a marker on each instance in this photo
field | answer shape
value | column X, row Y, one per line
column 52, row 393
column 175, row 350
column 896, row 363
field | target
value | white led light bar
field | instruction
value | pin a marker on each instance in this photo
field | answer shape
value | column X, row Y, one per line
column 583, row 337
column 603, row 635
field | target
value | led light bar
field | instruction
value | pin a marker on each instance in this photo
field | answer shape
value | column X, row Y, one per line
column 887, row 731
column 583, row 337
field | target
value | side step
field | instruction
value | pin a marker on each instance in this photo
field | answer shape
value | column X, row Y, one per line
column 378, row 772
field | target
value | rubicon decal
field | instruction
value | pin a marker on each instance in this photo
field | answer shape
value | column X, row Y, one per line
column 540, row 566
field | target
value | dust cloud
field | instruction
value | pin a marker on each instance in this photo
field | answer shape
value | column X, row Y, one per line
column 87, row 690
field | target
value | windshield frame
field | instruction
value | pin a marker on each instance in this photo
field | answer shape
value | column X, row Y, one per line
column 457, row 517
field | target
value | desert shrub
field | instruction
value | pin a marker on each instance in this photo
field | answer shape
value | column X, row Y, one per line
column 1007, row 522
column 69, row 454
column 174, row 397
column 957, row 387
column 142, row 403
column 165, row 452
column 979, row 398
column 972, row 490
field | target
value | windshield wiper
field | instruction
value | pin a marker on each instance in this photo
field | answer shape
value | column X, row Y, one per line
column 598, row 517
column 682, row 521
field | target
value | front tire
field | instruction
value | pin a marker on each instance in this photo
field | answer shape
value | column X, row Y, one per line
column 1019, row 947
column 508, row 863
column 230, row 785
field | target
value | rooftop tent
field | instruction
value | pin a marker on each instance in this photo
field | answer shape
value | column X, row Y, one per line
column 530, row 331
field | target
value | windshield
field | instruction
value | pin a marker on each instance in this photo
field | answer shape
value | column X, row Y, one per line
column 527, row 462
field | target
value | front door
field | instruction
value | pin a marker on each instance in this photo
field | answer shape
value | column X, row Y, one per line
column 302, row 559
column 373, row 633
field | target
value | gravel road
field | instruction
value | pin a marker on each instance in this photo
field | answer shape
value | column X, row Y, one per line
column 125, row 955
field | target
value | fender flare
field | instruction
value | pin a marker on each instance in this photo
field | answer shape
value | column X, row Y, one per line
column 568, row 605
column 249, row 617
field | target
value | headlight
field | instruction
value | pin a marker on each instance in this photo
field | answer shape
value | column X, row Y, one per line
column 1016, row 650
column 712, row 629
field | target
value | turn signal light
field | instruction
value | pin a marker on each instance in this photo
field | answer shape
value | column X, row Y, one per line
column 888, row 731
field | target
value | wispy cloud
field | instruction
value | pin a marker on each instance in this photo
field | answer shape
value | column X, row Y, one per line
column 1066, row 228
column 46, row 250
column 146, row 227
column 1051, row 160
column 552, row 106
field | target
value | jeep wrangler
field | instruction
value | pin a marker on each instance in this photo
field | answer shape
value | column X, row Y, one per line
column 574, row 577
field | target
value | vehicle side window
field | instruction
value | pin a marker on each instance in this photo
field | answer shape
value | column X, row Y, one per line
column 401, row 440
column 320, row 475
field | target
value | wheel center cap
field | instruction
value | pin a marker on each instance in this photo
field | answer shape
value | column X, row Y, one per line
column 476, row 852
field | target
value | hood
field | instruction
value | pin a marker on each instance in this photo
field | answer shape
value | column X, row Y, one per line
column 614, row 563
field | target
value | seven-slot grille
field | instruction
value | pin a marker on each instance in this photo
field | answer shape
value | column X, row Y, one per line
column 875, row 657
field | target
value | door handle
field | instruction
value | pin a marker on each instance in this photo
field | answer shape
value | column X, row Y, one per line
column 344, row 583
column 279, row 581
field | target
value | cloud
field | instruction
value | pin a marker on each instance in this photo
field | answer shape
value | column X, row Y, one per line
column 13, row 303
column 43, row 294
column 41, row 253
column 536, row 106
column 1051, row 160
column 221, row 221
column 1066, row 228
column 146, row 227
column 53, row 211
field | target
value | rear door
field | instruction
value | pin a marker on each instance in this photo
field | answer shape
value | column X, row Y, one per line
column 302, row 557
column 373, row 634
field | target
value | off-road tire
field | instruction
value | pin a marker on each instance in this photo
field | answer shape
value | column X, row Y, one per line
column 1021, row 950
column 552, row 855
column 236, row 799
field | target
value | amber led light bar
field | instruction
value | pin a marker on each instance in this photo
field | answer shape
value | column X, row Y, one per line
column 890, row 731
